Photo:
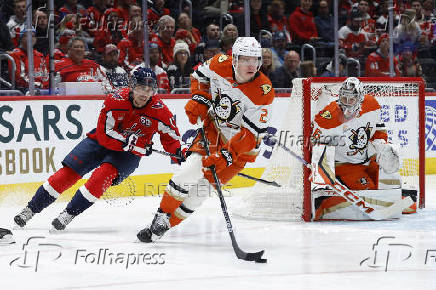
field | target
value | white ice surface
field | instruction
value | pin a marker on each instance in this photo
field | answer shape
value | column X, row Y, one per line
column 199, row 255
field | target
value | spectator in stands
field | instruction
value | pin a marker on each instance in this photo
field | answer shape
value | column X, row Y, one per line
column 124, row 7
column 212, row 32
column 6, row 43
column 409, row 65
column 71, row 7
column 132, row 47
column 162, row 77
column 134, row 11
column 282, row 77
column 95, row 14
column 211, row 48
column 428, row 10
column 40, row 18
column 155, row 12
column 165, row 39
column 324, row 22
column 368, row 24
column 278, row 48
column 276, row 16
column 301, row 24
column 329, row 70
column 351, row 38
column 419, row 15
column 377, row 63
column 230, row 33
column 187, row 33
column 180, row 70
column 308, row 69
column 62, row 46
column 267, row 64
column 258, row 19
column 115, row 74
column 75, row 68
column 20, row 57
column 17, row 22
column 109, row 31
column 407, row 33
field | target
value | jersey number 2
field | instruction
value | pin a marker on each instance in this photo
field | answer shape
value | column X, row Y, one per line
column 263, row 116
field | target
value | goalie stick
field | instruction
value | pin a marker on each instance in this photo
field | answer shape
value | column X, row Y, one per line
column 349, row 195
column 257, row 256
column 272, row 183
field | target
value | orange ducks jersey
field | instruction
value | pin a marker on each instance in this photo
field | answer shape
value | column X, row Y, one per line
column 236, row 107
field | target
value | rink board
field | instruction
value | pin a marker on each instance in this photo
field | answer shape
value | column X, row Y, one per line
column 37, row 132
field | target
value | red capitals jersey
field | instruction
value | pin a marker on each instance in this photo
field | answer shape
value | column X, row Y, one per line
column 40, row 69
column 353, row 42
column 87, row 71
column 131, row 53
column 378, row 65
column 119, row 119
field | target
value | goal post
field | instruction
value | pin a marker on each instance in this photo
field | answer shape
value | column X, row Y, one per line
column 402, row 102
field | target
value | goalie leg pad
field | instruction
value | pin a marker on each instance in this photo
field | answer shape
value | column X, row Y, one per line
column 323, row 164
column 328, row 206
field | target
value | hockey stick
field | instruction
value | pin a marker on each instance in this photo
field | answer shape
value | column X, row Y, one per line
column 349, row 195
column 257, row 256
column 272, row 183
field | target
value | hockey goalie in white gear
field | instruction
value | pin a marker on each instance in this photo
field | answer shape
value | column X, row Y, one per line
column 360, row 158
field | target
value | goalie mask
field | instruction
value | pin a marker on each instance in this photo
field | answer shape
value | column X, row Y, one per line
column 246, row 46
column 350, row 97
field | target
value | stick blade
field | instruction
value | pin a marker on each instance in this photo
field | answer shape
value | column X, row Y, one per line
column 250, row 256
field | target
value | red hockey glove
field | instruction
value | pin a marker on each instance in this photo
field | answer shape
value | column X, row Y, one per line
column 220, row 159
column 197, row 107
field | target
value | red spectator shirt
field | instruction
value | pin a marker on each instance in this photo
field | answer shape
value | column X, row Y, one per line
column 353, row 42
column 277, row 24
column 131, row 53
column 40, row 70
column 119, row 119
column 166, row 50
column 153, row 16
column 378, row 65
column 302, row 25
column 87, row 71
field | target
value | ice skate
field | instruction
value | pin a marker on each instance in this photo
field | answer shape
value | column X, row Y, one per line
column 6, row 237
column 158, row 227
column 61, row 221
column 23, row 217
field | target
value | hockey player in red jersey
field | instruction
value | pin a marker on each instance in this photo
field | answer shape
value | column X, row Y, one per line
column 233, row 99
column 361, row 152
column 126, row 124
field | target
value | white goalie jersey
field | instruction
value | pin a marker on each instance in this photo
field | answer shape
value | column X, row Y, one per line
column 350, row 137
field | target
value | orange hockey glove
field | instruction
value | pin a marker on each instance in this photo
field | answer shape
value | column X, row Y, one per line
column 221, row 159
column 197, row 107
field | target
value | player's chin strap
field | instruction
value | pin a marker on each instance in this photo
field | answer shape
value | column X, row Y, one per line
column 349, row 195
column 257, row 256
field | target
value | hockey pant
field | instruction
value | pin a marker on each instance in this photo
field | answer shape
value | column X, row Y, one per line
column 189, row 187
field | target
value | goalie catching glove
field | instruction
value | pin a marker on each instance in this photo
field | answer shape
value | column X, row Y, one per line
column 130, row 145
column 386, row 155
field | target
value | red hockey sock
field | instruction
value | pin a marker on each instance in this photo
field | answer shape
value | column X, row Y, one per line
column 101, row 179
column 63, row 179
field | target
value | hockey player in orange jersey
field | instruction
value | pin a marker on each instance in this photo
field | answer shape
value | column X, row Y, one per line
column 233, row 99
column 361, row 152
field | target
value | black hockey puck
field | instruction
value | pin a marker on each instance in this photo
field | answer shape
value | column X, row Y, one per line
column 261, row 260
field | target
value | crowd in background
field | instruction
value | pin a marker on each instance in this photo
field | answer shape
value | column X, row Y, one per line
column 103, row 40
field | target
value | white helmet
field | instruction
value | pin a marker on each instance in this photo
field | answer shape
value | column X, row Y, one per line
column 351, row 96
column 246, row 46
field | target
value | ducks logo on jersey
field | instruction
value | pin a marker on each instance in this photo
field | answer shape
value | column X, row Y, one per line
column 360, row 138
column 225, row 110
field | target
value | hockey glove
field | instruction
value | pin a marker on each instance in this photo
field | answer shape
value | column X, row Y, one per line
column 194, row 108
column 181, row 153
column 130, row 143
column 220, row 159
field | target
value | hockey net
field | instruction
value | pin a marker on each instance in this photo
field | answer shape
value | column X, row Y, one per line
column 403, row 112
